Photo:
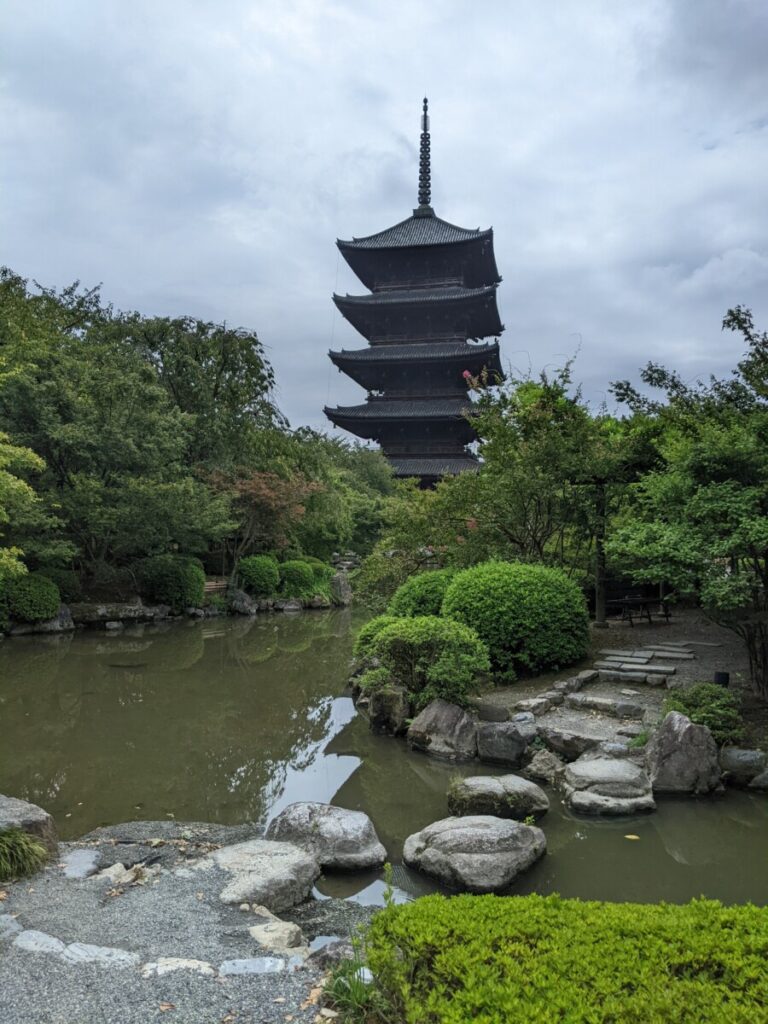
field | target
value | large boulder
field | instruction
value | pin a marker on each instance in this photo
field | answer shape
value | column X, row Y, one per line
column 741, row 766
column 240, row 603
column 61, row 623
column 29, row 818
column 544, row 766
column 682, row 757
column 389, row 710
column 475, row 854
column 444, row 730
column 505, row 742
column 573, row 736
column 504, row 796
column 603, row 785
column 341, row 589
column 338, row 838
column 275, row 875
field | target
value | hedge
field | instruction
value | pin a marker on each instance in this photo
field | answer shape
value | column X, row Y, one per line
column 430, row 657
column 711, row 705
column 530, row 616
column 541, row 960
column 31, row 598
column 368, row 633
column 259, row 575
column 175, row 580
column 422, row 594
column 297, row 579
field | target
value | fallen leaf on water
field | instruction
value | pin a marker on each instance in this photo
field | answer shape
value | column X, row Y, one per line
column 164, row 1007
column 630, row 836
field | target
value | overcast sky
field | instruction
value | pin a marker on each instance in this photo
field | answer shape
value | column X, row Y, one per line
column 201, row 157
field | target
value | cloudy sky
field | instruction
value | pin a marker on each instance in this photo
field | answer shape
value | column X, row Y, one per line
column 201, row 157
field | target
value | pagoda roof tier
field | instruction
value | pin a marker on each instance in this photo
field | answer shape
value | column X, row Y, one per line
column 384, row 416
column 382, row 367
column 435, row 466
column 422, row 228
column 417, row 311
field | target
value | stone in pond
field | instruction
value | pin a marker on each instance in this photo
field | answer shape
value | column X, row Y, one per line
column 389, row 710
column 29, row 818
column 475, row 854
column 742, row 766
column 607, row 786
column 682, row 757
column 276, row 875
column 544, row 765
column 504, row 796
column 504, row 742
column 338, row 838
column 444, row 730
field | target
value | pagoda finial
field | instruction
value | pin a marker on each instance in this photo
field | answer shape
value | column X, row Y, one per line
column 425, row 186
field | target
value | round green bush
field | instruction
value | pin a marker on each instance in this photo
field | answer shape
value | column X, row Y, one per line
column 68, row 582
column 421, row 594
column 175, row 580
column 32, row 598
column 297, row 579
column 711, row 705
column 531, row 617
column 259, row 575
column 368, row 633
column 431, row 657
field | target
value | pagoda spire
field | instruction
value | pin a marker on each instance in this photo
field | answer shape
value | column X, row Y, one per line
column 425, row 186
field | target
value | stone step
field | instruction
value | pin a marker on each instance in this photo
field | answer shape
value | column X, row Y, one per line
column 615, row 653
column 606, row 705
column 664, row 652
column 660, row 670
column 616, row 676
column 617, row 658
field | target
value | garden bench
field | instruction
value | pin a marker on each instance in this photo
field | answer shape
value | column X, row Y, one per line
column 636, row 603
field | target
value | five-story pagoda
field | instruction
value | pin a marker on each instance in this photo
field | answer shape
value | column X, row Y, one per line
column 432, row 298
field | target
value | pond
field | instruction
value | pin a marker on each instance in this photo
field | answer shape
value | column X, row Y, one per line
column 231, row 720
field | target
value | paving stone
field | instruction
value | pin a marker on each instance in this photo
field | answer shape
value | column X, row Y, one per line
column 660, row 670
column 252, row 965
column 537, row 705
column 32, row 941
column 170, row 964
column 617, row 676
column 606, row 705
column 106, row 956
column 81, row 863
column 9, row 928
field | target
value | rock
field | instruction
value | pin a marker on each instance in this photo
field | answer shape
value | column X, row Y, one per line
column 555, row 697
column 81, row 863
column 105, row 956
column 490, row 711
column 475, row 854
column 630, row 730
column 682, row 757
column 504, row 796
column 544, row 765
column 389, row 710
column 129, row 611
column 536, row 705
column 239, row 603
column 742, row 766
column 119, row 874
column 320, row 601
column 605, row 705
column 9, row 928
column 444, row 730
column 760, row 782
column 504, row 742
column 278, row 935
column 588, row 675
column 29, row 818
column 331, row 954
column 252, row 965
column 613, row 748
column 61, row 623
column 170, row 964
column 607, row 786
column 570, row 739
column 288, row 604
column 114, row 626
column 341, row 589
column 276, row 875
column 336, row 837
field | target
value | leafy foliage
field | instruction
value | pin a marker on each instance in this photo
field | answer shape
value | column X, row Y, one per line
column 363, row 647
column 531, row 617
column 711, row 705
column 259, row 574
column 20, row 854
column 431, row 657
column 545, row 960
column 31, row 598
column 175, row 580
column 297, row 579
column 421, row 594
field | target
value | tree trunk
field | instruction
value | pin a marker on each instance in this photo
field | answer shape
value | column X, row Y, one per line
column 600, row 509
column 756, row 636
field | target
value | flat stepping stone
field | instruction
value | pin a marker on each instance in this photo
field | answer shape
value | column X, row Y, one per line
column 614, row 675
column 338, row 838
column 607, row 786
column 504, row 796
column 614, row 653
column 614, row 658
column 606, row 705
column 660, row 670
column 662, row 652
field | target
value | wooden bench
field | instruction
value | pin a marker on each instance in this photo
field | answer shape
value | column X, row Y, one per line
column 633, row 603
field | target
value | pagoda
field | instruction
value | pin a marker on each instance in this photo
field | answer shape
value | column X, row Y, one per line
column 431, row 301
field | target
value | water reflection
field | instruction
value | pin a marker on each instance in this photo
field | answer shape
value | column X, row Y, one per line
column 232, row 720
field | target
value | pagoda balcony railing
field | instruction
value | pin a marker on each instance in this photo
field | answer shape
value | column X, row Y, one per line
column 410, row 394
column 425, row 450
column 412, row 284
column 420, row 337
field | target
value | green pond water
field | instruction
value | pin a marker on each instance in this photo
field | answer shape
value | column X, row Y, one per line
column 231, row 720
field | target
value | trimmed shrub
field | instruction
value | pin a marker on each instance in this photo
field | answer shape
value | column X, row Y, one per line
column 20, row 854
column 68, row 582
column 368, row 633
column 546, row 960
column 710, row 705
column 175, row 580
column 421, row 594
column 531, row 617
column 430, row 657
column 31, row 598
column 297, row 579
column 259, row 575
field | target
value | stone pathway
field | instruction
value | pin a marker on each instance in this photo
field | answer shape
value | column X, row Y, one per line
column 130, row 925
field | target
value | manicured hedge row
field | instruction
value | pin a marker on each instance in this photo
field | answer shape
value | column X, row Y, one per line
column 421, row 594
column 175, row 580
column 29, row 598
column 541, row 960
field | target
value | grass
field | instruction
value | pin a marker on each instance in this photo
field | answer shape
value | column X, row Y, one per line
column 20, row 854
